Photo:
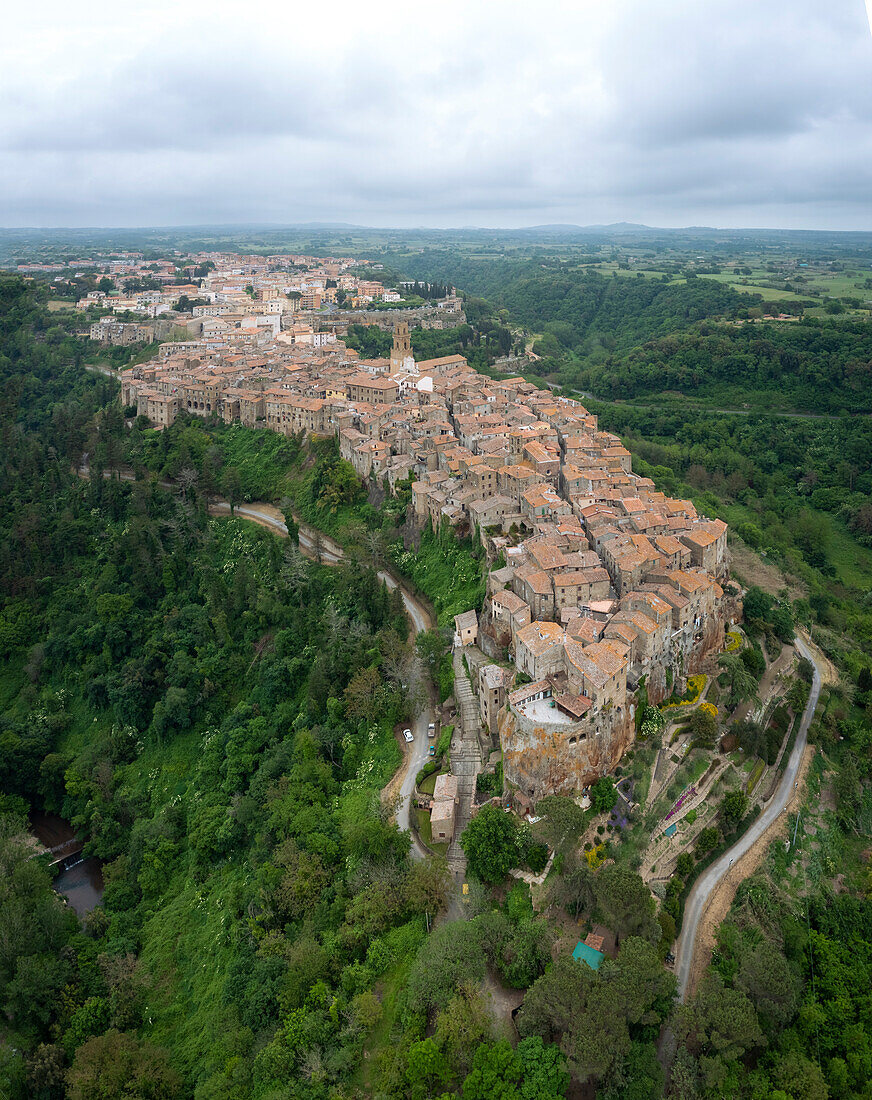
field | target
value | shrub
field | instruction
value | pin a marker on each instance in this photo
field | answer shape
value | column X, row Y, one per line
column 695, row 687
column 444, row 743
column 537, row 857
column 754, row 661
column 667, row 930
column 602, row 795
column 684, row 864
column 653, row 722
column 428, row 769
column 706, row 841
column 594, row 856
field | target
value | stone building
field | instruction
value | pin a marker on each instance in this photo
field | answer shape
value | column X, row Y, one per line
column 443, row 808
column 466, row 628
column 492, row 683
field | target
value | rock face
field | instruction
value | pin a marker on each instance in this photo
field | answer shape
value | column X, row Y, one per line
column 712, row 640
column 542, row 758
column 495, row 643
column 658, row 689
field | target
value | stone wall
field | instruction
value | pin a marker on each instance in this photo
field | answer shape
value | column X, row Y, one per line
column 493, row 642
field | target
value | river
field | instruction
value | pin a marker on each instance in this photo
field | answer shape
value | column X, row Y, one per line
column 79, row 880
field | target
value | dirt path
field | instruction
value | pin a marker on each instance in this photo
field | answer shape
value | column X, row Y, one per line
column 722, row 896
column 502, row 1002
column 768, row 687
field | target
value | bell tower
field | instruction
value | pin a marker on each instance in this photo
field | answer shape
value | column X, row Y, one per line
column 402, row 349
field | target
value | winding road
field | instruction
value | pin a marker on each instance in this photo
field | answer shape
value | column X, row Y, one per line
column 702, row 889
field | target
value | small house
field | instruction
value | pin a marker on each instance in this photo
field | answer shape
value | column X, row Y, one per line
column 466, row 627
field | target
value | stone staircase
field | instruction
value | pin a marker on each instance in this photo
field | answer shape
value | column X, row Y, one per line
column 467, row 704
column 465, row 762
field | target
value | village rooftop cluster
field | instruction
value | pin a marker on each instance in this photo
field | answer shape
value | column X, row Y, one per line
column 208, row 295
column 600, row 582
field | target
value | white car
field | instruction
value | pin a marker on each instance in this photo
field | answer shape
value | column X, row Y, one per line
column 408, row 735
column 431, row 730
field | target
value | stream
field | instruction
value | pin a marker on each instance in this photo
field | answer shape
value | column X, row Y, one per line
column 77, row 879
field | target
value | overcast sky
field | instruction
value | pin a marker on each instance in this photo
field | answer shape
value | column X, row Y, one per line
column 668, row 112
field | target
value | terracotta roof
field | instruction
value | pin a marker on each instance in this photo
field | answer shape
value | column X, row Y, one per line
column 508, row 600
column 539, row 637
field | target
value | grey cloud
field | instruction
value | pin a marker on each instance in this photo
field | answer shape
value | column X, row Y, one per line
column 676, row 111
column 763, row 70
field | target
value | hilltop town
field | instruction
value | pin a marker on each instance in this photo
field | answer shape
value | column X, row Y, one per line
column 604, row 594
column 436, row 654
column 495, row 713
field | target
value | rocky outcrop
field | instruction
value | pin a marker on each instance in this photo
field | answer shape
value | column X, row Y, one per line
column 542, row 758
column 712, row 641
column 657, row 686
column 493, row 639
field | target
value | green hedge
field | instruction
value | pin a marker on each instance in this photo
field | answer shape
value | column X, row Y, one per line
column 443, row 745
column 446, row 677
column 431, row 766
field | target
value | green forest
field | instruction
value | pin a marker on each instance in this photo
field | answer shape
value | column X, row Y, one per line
column 215, row 714
column 589, row 308
column 817, row 365
column 621, row 336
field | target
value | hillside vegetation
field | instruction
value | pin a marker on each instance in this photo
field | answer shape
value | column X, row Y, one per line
column 216, row 716
column 823, row 366
column 620, row 336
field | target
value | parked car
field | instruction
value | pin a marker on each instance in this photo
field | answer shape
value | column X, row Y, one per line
column 432, row 750
column 431, row 730
column 408, row 735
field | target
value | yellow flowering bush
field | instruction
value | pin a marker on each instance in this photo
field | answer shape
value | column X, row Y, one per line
column 594, row 856
column 696, row 686
column 709, row 708
column 734, row 640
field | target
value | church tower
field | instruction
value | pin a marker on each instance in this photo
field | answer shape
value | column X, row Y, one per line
column 401, row 352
